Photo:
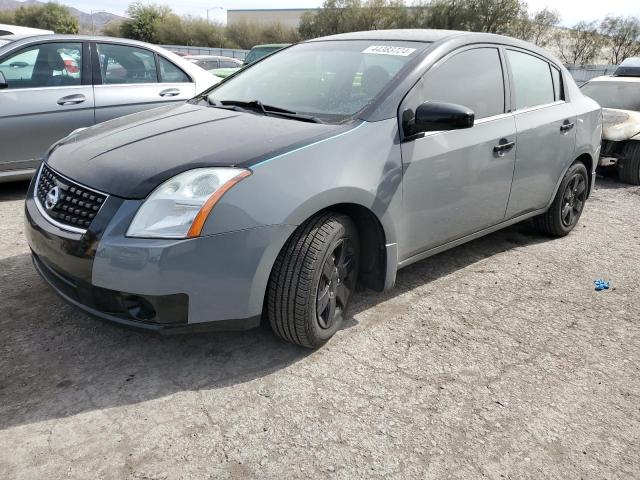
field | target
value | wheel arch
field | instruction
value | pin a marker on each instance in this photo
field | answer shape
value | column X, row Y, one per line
column 377, row 232
column 588, row 162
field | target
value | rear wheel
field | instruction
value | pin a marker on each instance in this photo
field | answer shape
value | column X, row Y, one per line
column 629, row 167
column 312, row 280
column 567, row 207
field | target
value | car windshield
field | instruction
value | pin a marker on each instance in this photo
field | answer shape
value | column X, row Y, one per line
column 621, row 95
column 331, row 80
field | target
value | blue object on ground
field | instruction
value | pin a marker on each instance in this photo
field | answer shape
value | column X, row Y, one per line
column 601, row 285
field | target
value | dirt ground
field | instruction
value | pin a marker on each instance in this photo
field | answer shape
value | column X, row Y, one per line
column 496, row 359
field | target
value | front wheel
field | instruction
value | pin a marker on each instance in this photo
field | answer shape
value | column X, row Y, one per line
column 567, row 207
column 312, row 280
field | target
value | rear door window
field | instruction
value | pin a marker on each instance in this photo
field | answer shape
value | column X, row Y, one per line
column 122, row 64
column 170, row 73
column 472, row 78
column 532, row 80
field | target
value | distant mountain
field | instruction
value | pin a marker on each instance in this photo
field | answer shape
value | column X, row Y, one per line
column 87, row 24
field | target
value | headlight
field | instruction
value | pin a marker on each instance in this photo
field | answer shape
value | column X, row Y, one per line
column 180, row 206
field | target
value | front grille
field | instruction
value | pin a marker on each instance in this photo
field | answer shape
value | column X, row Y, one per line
column 77, row 205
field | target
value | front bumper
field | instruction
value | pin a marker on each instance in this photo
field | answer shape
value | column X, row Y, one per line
column 170, row 286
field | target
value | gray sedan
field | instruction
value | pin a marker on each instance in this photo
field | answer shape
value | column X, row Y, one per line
column 384, row 148
column 51, row 85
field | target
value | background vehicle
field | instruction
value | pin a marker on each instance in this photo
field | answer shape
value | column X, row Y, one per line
column 256, row 53
column 54, row 84
column 25, row 31
column 630, row 67
column 212, row 62
column 341, row 180
column 620, row 96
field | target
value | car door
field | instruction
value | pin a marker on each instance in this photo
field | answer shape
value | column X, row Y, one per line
column 545, row 123
column 49, row 94
column 129, row 79
column 457, row 182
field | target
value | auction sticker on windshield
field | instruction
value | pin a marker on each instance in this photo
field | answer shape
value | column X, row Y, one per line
column 388, row 50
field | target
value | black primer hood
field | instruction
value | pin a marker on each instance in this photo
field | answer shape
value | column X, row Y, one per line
column 130, row 156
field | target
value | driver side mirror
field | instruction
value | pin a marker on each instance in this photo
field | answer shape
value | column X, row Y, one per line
column 438, row 116
column 3, row 81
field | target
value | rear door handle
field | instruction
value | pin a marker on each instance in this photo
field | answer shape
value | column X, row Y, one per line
column 503, row 147
column 566, row 126
column 72, row 99
column 170, row 92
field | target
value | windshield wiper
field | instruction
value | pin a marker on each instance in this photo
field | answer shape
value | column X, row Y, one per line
column 258, row 106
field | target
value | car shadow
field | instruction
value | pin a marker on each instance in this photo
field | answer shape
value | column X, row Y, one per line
column 13, row 191
column 611, row 182
column 56, row 362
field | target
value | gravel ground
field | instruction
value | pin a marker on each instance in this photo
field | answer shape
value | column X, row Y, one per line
column 496, row 359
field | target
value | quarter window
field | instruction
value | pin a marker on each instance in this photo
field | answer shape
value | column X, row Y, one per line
column 169, row 73
column 472, row 78
column 557, row 84
column 532, row 80
column 46, row 65
column 122, row 64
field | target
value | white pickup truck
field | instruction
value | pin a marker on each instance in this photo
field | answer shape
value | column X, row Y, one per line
column 619, row 95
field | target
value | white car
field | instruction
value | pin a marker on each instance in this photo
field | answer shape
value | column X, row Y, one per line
column 23, row 31
column 619, row 95
column 51, row 85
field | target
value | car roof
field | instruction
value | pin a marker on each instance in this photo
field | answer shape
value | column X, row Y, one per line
column 271, row 45
column 412, row 34
column 14, row 37
column 70, row 37
column 610, row 78
column 452, row 38
column 209, row 57
column 631, row 62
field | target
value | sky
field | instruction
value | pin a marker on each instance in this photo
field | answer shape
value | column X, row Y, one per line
column 572, row 11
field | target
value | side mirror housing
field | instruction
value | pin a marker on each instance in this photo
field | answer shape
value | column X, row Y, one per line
column 3, row 81
column 438, row 116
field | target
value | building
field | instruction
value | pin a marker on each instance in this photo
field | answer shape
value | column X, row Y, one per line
column 289, row 17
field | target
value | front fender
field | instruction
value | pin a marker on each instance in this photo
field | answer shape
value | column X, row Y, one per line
column 361, row 166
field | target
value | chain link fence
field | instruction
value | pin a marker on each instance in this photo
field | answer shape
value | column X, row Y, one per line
column 583, row 73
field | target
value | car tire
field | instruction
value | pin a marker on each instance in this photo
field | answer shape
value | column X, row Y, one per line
column 629, row 168
column 312, row 280
column 567, row 206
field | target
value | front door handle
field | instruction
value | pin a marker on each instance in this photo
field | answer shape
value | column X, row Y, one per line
column 170, row 92
column 72, row 99
column 503, row 147
column 566, row 126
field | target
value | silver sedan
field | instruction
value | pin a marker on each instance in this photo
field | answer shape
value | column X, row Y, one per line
column 51, row 85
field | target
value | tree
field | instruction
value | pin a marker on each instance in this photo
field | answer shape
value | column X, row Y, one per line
column 143, row 21
column 7, row 17
column 622, row 37
column 493, row 16
column 245, row 34
column 339, row 16
column 112, row 29
column 579, row 45
column 191, row 31
column 537, row 27
column 50, row 16
column 442, row 14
